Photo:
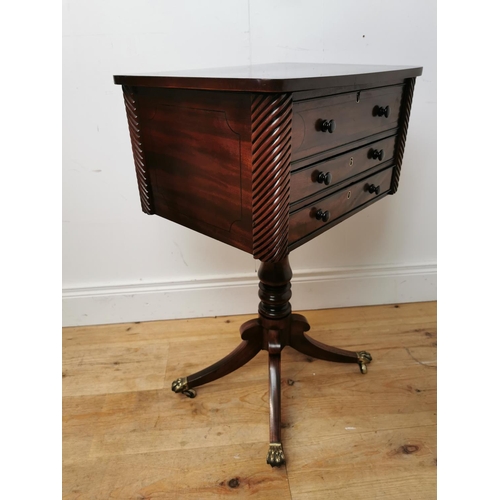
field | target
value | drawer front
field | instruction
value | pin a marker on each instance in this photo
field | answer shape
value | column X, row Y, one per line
column 324, row 175
column 325, row 211
column 328, row 122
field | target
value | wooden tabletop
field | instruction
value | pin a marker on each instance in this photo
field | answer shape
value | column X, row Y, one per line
column 280, row 77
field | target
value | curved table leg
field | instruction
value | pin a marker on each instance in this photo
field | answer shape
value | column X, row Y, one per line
column 251, row 332
column 275, row 455
column 310, row 347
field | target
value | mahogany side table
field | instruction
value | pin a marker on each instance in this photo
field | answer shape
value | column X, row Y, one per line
column 265, row 158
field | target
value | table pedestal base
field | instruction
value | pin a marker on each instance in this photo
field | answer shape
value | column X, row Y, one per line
column 275, row 328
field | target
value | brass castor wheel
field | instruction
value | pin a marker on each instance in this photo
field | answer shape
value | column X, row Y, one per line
column 181, row 385
column 275, row 455
column 364, row 358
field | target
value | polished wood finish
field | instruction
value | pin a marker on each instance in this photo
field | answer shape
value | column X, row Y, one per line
column 346, row 436
column 274, row 329
column 276, row 77
column 143, row 174
column 220, row 161
column 271, row 123
column 339, row 204
column 354, row 115
column 196, row 147
column 404, row 120
column 275, row 289
column 310, row 347
column 344, row 148
column 274, row 348
column 305, row 182
column 265, row 158
column 245, row 351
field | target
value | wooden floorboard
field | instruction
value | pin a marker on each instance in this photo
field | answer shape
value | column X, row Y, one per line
column 345, row 435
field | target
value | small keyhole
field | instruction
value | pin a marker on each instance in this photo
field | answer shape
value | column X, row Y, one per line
column 351, row 161
column 358, row 95
column 348, row 194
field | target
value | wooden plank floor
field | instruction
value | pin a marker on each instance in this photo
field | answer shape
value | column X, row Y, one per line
column 345, row 435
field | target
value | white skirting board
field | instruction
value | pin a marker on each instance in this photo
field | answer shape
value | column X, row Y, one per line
column 318, row 289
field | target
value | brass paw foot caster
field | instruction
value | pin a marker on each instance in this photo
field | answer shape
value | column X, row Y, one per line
column 275, row 455
column 364, row 358
column 181, row 385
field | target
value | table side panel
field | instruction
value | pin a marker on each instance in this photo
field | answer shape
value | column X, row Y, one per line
column 196, row 148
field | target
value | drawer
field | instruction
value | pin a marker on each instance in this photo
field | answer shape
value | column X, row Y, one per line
column 325, row 211
column 328, row 122
column 324, row 175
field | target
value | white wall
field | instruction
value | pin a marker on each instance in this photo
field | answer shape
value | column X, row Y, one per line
column 122, row 265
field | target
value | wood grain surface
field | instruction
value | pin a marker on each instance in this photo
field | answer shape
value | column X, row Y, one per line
column 305, row 182
column 352, row 113
column 346, row 436
column 338, row 204
column 196, row 148
column 218, row 159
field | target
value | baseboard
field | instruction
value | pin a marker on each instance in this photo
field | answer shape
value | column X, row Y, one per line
column 318, row 289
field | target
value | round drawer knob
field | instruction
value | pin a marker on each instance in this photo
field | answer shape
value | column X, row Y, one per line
column 378, row 154
column 381, row 111
column 373, row 189
column 324, row 178
column 327, row 126
column 324, row 216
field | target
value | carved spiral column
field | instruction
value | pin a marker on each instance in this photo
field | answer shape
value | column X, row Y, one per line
column 135, row 138
column 404, row 120
column 271, row 117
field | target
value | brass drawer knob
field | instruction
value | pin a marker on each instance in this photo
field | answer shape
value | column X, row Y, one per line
column 373, row 189
column 324, row 216
column 328, row 126
column 324, row 178
column 378, row 154
column 381, row 111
